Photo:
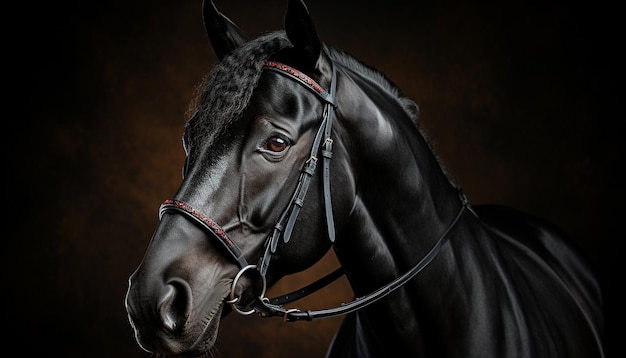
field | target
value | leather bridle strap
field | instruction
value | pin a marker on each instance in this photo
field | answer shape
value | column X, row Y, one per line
column 268, row 308
column 209, row 225
column 284, row 226
column 304, row 80
column 327, row 154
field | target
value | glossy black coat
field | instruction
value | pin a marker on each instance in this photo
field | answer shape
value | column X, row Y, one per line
column 507, row 284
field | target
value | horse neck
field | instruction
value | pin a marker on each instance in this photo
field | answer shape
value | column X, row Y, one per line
column 403, row 199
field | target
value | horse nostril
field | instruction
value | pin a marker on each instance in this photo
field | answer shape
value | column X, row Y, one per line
column 175, row 305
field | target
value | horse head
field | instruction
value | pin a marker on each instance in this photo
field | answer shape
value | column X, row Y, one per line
column 248, row 148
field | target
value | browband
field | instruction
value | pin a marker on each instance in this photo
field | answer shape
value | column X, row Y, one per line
column 303, row 79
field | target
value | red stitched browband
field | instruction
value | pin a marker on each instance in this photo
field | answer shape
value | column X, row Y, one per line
column 292, row 71
column 300, row 77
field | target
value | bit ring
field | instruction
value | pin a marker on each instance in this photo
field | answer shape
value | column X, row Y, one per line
column 233, row 300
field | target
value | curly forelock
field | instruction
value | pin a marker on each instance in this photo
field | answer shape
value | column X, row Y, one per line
column 225, row 92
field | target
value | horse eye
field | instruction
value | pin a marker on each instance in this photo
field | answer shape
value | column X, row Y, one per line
column 276, row 144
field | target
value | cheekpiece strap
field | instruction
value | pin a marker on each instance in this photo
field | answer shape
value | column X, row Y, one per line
column 322, row 144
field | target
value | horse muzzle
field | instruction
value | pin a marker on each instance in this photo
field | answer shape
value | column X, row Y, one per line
column 176, row 320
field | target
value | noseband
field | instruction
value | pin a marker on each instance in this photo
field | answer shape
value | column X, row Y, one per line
column 322, row 145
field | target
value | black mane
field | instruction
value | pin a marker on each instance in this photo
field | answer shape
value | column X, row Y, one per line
column 356, row 66
column 225, row 92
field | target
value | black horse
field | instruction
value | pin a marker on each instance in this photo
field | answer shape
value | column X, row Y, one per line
column 284, row 115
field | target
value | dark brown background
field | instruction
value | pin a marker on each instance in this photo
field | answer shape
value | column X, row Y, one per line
column 521, row 101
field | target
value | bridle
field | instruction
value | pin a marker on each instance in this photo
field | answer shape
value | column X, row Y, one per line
column 322, row 145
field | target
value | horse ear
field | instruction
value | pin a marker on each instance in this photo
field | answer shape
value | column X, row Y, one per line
column 301, row 31
column 224, row 35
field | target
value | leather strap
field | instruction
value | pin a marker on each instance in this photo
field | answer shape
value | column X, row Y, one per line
column 307, row 290
column 284, row 226
column 303, row 79
column 270, row 308
column 327, row 154
column 209, row 225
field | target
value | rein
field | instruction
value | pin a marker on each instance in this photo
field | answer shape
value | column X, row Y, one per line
column 322, row 144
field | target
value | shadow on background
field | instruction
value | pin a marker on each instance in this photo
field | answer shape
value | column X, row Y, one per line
column 520, row 100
